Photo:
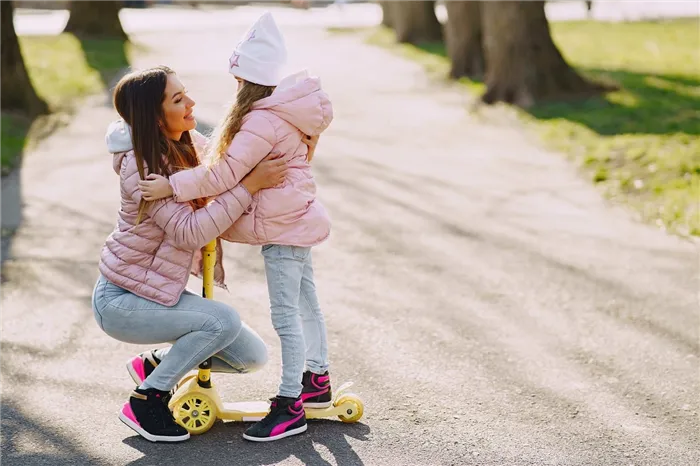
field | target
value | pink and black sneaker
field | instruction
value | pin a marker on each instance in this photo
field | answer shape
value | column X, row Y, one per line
column 316, row 391
column 147, row 413
column 141, row 366
column 286, row 418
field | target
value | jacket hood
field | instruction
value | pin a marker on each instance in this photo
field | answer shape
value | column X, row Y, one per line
column 119, row 142
column 300, row 101
column 118, row 139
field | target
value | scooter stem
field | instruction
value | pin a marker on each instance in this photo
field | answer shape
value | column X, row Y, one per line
column 208, row 263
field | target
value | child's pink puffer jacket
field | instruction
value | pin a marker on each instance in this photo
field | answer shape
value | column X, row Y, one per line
column 288, row 214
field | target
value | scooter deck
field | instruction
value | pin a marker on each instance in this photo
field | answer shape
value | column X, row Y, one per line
column 248, row 411
column 244, row 411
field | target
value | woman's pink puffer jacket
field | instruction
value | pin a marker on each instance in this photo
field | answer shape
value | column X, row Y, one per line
column 154, row 258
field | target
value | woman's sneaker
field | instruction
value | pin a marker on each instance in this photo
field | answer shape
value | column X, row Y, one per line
column 316, row 391
column 141, row 366
column 286, row 418
column 149, row 416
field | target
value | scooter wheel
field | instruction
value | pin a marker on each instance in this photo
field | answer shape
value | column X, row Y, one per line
column 352, row 408
column 195, row 412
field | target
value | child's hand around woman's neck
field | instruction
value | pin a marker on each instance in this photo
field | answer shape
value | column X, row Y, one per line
column 155, row 187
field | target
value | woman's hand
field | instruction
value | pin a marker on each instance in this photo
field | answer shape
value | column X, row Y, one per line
column 311, row 142
column 266, row 174
column 155, row 187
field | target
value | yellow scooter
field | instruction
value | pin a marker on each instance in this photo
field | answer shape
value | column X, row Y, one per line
column 196, row 404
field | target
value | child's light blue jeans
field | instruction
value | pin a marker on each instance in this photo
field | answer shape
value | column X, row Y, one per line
column 197, row 327
column 296, row 314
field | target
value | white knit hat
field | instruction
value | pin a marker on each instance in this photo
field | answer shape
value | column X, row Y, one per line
column 261, row 54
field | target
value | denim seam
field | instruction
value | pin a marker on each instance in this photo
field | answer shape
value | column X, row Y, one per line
column 174, row 308
column 236, row 360
column 94, row 302
column 110, row 301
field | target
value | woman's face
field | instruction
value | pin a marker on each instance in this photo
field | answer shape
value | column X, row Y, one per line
column 177, row 108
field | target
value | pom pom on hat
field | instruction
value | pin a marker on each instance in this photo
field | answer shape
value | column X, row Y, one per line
column 261, row 54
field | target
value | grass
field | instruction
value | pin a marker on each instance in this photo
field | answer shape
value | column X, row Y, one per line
column 62, row 69
column 13, row 129
column 641, row 144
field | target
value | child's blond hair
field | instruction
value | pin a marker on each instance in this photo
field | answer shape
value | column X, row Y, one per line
column 247, row 95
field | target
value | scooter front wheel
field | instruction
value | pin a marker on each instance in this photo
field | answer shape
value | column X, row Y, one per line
column 195, row 412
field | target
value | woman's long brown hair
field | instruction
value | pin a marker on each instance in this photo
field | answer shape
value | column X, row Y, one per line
column 138, row 98
column 247, row 95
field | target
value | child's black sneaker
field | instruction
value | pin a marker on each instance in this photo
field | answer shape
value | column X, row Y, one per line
column 316, row 391
column 141, row 366
column 147, row 413
column 286, row 418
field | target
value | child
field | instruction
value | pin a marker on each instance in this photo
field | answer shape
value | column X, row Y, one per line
column 273, row 116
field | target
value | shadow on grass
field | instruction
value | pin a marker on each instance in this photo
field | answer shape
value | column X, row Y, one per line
column 436, row 48
column 14, row 128
column 653, row 104
column 648, row 104
column 106, row 56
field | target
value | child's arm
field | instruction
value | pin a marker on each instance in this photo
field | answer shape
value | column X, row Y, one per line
column 188, row 228
column 192, row 229
column 250, row 145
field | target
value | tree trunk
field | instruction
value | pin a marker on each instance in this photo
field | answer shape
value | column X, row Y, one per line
column 386, row 14
column 415, row 21
column 17, row 92
column 464, row 36
column 96, row 19
column 523, row 64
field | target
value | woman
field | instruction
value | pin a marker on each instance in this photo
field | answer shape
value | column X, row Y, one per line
column 146, row 261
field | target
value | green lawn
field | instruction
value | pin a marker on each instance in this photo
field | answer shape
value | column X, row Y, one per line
column 13, row 129
column 62, row 69
column 641, row 143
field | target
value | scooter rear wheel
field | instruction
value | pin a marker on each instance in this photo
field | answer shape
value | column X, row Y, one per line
column 354, row 408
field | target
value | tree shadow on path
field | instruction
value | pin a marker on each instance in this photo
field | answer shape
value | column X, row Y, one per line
column 223, row 445
column 17, row 428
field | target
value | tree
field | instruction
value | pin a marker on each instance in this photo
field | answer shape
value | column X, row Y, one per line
column 96, row 19
column 523, row 66
column 386, row 14
column 415, row 21
column 17, row 92
column 465, row 39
